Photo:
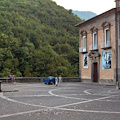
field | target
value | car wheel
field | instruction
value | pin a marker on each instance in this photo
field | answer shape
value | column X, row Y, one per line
column 49, row 83
column 52, row 83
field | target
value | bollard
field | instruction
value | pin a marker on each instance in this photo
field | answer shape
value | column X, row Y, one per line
column 117, row 85
column 0, row 86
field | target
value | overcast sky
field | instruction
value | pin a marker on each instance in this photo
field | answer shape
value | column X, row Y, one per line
column 96, row 6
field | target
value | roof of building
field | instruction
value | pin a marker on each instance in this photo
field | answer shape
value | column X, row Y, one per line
column 107, row 13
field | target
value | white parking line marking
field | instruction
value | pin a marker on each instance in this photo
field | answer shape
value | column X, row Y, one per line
column 29, row 96
column 89, row 111
column 50, row 92
column 86, row 91
column 87, row 101
column 59, row 107
column 15, row 101
column 21, row 113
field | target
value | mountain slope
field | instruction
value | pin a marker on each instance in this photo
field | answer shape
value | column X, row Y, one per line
column 84, row 15
column 37, row 38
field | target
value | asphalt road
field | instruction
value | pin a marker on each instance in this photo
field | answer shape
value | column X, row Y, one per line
column 68, row 101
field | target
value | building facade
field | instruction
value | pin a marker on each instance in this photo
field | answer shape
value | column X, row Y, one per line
column 99, row 47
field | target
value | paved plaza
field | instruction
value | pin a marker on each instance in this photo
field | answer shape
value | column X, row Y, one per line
column 68, row 101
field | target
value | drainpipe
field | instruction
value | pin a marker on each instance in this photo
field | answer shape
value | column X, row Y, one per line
column 79, row 56
column 117, row 43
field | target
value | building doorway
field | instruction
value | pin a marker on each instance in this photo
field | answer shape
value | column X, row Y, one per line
column 95, row 72
column 95, row 58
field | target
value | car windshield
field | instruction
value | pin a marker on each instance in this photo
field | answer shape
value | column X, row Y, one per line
column 51, row 78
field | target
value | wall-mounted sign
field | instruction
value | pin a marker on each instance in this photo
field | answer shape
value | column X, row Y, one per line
column 106, row 59
column 85, row 61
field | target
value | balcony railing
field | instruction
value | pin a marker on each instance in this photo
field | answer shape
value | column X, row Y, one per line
column 106, row 44
column 82, row 50
column 91, row 47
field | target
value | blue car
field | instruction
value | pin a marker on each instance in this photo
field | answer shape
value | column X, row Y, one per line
column 50, row 80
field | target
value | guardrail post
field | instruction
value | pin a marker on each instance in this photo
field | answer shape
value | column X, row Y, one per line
column 0, row 86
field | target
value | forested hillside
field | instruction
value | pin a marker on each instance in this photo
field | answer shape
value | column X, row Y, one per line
column 37, row 38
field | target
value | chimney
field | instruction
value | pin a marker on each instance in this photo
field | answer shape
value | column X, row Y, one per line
column 117, row 4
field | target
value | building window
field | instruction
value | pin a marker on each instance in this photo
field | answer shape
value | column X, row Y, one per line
column 84, row 43
column 94, row 40
column 107, row 42
column 107, row 37
column 94, row 45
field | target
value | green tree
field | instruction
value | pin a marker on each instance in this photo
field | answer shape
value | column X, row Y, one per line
column 36, row 40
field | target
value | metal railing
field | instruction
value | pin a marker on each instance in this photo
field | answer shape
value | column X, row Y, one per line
column 38, row 79
column 105, row 45
column 81, row 49
column 91, row 47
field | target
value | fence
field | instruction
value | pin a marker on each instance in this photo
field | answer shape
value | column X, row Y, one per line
column 38, row 79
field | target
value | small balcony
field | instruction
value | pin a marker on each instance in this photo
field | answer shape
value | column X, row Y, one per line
column 93, row 47
column 106, row 45
column 82, row 50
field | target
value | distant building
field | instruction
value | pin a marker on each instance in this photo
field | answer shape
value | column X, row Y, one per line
column 99, row 47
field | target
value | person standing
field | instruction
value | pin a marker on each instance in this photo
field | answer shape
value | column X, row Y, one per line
column 10, row 76
column 60, row 80
column 13, row 79
column 56, row 81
